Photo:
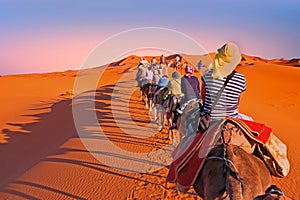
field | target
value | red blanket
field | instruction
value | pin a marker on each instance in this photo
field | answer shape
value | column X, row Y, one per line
column 258, row 132
column 191, row 153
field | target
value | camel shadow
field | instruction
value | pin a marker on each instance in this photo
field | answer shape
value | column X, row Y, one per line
column 54, row 125
column 43, row 136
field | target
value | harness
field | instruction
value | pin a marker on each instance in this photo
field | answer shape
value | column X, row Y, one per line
column 275, row 191
column 227, row 166
column 189, row 102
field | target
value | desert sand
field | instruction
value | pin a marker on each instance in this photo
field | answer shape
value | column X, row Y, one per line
column 43, row 157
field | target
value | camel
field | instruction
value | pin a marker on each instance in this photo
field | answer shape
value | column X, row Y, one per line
column 173, row 103
column 231, row 171
column 148, row 91
column 160, row 106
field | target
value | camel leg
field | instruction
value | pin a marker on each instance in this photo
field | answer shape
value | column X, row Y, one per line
column 150, row 105
column 169, row 119
column 146, row 102
column 159, row 119
column 155, row 112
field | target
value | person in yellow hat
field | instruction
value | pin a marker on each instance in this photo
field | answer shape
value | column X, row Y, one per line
column 213, row 79
column 224, row 64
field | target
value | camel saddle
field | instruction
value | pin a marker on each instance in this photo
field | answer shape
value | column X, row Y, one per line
column 269, row 148
column 190, row 155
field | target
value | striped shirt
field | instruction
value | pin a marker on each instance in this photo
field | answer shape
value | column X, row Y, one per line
column 227, row 104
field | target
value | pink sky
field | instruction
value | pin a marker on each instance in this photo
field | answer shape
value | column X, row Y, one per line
column 47, row 52
column 59, row 35
column 59, row 52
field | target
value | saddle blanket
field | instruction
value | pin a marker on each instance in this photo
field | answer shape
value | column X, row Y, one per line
column 270, row 148
column 190, row 154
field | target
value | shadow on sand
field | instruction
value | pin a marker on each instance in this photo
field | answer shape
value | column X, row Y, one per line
column 51, row 130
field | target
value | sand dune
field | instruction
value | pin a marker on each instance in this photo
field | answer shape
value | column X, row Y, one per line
column 42, row 156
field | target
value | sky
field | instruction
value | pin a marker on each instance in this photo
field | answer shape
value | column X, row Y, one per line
column 57, row 35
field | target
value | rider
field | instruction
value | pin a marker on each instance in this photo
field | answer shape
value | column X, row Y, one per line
column 175, row 84
column 163, row 64
column 177, row 59
column 224, row 64
column 158, row 98
column 156, row 76
column 199, row 65
column 141, row 73
column 143, row 61
column 190, row 88
column 177, row 62
column 153, row 61
column 213, row 79
column 163, row 83
column 175, row 89
column 162, row 60
column 149, row 74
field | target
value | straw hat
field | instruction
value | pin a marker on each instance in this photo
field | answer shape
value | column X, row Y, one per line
column 226, row 60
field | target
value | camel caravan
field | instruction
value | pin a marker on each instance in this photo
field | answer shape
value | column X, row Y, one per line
column 222, row 153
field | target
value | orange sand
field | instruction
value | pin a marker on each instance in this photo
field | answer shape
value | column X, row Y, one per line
column 42, row 156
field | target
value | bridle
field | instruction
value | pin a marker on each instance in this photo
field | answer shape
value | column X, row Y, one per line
column 228, row 164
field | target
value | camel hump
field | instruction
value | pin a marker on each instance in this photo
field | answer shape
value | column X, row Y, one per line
column 271, row 150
